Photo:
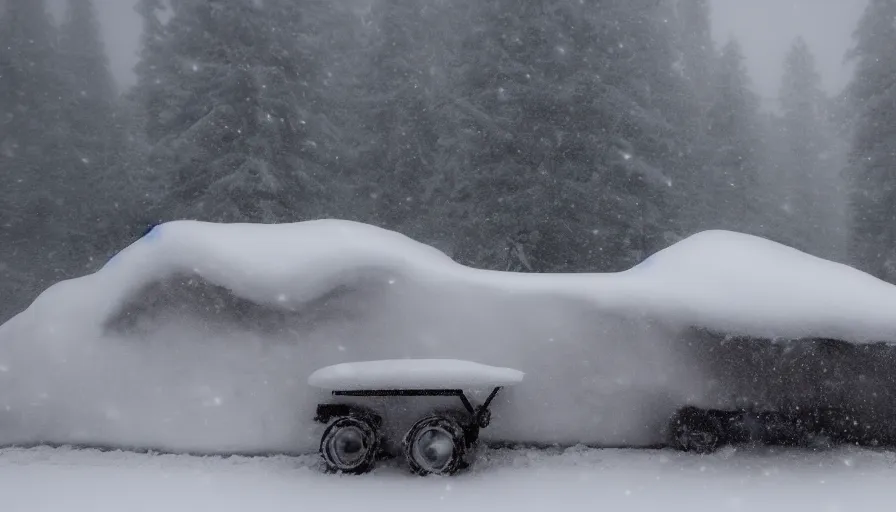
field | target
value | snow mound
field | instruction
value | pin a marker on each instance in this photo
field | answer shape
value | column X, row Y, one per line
column 413, row 374
column 202, row 336
column 720, row 280
column 746, row 285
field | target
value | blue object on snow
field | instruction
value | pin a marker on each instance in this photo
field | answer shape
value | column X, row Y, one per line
column 151, row 232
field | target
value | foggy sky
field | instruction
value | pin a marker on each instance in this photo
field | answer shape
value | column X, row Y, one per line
column 765, row 28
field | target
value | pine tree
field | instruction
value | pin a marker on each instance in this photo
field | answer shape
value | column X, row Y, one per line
column 145, row 104
column 29, row 95
column 698, row 62
column 572, row 102
column 872, row 169
column 149, row 88
column 94, row 133
column 698, row 55
column 807, row 174
column 32, row 138
column 801, row 99
column 400, row 97
column 316, row 44
column 731, row 186
column 226, row 119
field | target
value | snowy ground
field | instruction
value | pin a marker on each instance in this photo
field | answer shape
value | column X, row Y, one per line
column 50, row 479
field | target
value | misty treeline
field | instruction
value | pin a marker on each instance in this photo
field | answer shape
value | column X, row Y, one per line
column 544, row 136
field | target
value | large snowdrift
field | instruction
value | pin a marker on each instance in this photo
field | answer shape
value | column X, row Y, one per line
column 201, row 336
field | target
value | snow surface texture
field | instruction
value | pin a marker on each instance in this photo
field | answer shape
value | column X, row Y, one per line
column 413, row 374
column 200, row 337
column 503, row 480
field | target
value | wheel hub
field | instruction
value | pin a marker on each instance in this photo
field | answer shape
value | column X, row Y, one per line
column 348, row 446
column 434, row 449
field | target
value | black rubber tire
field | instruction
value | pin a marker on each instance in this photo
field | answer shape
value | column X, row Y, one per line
column 442, row 423
column 695, row 430
column 370, row 439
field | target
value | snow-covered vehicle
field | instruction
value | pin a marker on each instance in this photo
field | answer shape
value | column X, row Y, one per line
column 441, row 442
column 199, row 337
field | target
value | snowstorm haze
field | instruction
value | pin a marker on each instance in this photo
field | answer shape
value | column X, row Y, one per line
column 764, row 27
column 542, row 136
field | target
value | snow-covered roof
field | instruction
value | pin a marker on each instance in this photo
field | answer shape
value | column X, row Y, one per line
column 412, row 374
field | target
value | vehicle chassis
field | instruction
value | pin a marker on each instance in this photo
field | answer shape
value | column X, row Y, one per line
column 464, row 428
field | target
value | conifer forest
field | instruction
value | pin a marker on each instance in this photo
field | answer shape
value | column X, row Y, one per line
column 528, row 136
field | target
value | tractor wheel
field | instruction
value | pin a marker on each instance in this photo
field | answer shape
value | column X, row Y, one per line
column 436, row 445
column 350, row 445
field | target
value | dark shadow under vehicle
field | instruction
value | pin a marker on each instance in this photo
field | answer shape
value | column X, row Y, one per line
column 698, row 430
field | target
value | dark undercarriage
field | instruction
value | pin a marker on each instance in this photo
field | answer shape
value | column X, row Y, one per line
column 705, row 430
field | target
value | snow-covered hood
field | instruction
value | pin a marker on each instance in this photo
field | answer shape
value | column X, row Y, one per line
column 609, row 353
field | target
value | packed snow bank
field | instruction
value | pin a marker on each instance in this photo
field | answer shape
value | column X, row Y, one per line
column 413, row 374
column 202, row 336
column 502, row 480
column 742, row 284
